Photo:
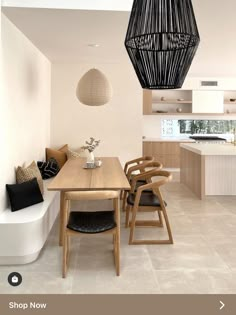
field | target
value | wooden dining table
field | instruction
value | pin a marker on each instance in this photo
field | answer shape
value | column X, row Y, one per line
column 74, row 177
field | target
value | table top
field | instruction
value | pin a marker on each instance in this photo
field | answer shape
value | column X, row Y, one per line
column 109, row 176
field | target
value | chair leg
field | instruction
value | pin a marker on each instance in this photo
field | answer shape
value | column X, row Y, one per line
column 168, row 226
column 160, row 218
column 116, row 236
column 65, row 253
column 121, row 194
column 124, row 200
column 68, row 250
column 114, row 247
column 131, row 234
column 117, row 253
column 115, row 250
column 132, row 241
column 128, row 208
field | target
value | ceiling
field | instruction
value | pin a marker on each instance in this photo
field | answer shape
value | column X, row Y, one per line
column 64, row 35
column 109, row 5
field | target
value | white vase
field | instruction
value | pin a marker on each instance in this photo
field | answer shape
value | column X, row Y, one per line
column 90, row 157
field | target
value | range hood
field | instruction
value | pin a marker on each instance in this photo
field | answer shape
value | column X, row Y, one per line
column 208, row 139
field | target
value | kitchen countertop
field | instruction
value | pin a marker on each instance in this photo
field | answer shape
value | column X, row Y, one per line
column 210, row 149
column 171, row 139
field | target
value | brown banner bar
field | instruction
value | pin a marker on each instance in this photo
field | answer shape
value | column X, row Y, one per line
column 118, row 304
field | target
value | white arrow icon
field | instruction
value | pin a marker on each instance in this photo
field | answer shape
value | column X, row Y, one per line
column 221, row 305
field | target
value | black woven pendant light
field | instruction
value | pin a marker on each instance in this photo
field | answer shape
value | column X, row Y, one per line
column 161, row 40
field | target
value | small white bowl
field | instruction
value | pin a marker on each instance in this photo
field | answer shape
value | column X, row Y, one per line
column 98, row 163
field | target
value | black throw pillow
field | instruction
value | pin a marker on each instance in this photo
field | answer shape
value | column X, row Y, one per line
column 24, row 195
column 48, row 169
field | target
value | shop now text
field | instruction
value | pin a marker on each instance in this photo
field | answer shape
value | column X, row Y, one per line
column 24, row 306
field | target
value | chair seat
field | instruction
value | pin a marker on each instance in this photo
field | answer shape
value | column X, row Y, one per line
column 146, row 200
column 91, row 222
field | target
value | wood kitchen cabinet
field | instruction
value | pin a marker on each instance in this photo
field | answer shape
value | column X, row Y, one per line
column 159, row 102
column 168, row 153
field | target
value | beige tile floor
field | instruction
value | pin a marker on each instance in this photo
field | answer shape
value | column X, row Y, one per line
column 202, row 259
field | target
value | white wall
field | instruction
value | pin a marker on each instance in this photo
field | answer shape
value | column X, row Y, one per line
column 25, row 106
column 216, row 24
column 118, row 124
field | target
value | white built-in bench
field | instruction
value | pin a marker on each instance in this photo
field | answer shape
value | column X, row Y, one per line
column 23, row 233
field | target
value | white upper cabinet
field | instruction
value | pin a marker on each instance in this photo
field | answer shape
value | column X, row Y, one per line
column 208, row 101
column 210, row 84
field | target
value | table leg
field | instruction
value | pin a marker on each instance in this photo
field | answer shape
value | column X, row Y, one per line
column 62, row 216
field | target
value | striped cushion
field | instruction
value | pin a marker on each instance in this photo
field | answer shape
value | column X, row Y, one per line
column 48, row 169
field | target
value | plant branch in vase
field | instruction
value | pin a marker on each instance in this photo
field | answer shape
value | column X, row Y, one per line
column 91, row 146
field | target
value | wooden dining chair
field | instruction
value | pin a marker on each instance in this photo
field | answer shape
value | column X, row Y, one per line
column 131, row 168
column 91, row 222
column 149, row 201
column 142, row 168
column 137, row 161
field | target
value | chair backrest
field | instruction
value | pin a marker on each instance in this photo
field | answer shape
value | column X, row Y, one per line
column 164, row 177
column 148, row 175
column 137, row 161
column 145, row 173
column 142, row 167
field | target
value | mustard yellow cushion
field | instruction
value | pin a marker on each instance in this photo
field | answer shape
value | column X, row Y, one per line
column 59, row 155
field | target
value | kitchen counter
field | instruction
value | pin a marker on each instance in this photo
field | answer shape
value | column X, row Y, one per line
column 210, row 149
column 208, row 169
column 171, row 139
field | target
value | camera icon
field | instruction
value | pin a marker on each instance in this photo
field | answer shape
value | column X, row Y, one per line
column 14, row 279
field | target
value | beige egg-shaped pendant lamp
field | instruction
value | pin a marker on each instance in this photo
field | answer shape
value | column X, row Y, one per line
column 94, row 89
